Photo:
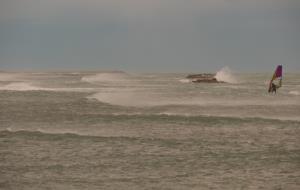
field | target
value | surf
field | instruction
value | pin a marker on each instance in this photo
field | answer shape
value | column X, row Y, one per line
column 107, row 77
column 226, row 75
column 21, row 86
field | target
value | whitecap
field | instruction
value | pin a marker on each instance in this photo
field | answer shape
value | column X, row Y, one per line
column 226, row 75
column 184, row 80
column 294, row 92
column 115, row 77
column 20, row 86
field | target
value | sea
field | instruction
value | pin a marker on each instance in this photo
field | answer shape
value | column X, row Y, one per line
column 117, row 130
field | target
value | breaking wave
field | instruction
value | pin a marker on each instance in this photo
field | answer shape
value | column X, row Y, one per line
column 114, row 77
column 296, row 93
column 143, row 98
column 164, row 118
column 25, row 86
column 130, row 98
column 185, row 81
column 21, row 86
column 226, row 75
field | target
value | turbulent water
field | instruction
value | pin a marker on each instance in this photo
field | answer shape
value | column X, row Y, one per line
column 89, row 130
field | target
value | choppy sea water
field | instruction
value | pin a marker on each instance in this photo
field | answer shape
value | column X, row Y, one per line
column 97, row 130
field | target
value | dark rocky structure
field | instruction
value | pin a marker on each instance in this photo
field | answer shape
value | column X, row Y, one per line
column 203, row 78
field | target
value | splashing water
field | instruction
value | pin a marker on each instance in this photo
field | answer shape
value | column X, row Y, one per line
column 294, row 92
column 185, row 81
column 107, row 77
column 226, row 75
column 20, row 86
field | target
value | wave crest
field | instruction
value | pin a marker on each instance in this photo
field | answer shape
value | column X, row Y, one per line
column 294, row 92
column 107, row 77
column 226, row 75
column 185, row 81
column 20, row 86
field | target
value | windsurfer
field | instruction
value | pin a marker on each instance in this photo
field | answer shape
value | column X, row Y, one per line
column 276, row 76
column 273, row 88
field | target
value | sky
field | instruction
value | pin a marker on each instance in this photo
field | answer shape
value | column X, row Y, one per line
column 150, row 35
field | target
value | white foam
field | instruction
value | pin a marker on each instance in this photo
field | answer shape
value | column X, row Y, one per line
column 128, row 98
column 178, row 114
column 20, row 86
column 117, row 77
column 139, row 98
column 25, row 86
column 184, row 80
column 294, row 92
column 225, row 75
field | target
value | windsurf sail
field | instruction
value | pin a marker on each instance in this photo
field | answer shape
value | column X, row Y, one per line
column 277, row 76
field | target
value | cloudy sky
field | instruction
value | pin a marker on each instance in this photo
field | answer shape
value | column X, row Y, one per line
column 149, row 35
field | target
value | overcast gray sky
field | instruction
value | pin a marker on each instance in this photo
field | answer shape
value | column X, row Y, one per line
column 150, row 35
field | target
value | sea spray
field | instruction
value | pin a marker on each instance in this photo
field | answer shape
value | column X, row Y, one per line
column 112, row 77
column 226, row 75
column 185, row 80
column 294, row 92
column 21, row 86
